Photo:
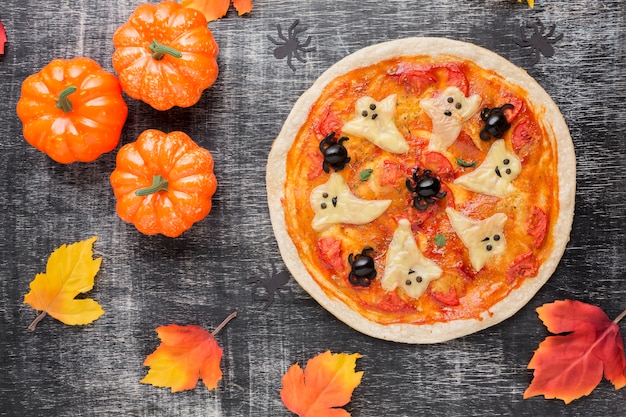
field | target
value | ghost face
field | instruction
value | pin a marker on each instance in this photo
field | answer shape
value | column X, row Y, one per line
column 448, row 111
column 334, row 203
column 406, row 267
column 496, row 174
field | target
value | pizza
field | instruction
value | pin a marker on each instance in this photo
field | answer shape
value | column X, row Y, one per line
column 422, row 189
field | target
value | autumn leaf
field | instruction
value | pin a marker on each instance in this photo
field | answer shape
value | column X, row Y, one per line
column 531, row 3
column 3, row 38
column 186, row 354
column 70, row 271
column 570, row 365
column 215, row 9
column 326, row 383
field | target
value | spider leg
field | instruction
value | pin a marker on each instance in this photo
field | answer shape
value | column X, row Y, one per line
column 536, row 57
column 524, row 43
column 298, row 57
column 418, row 204
column 280, row 33
column 527, row 52
column 556, row 39
column 292, row 28
column 293, row 68
column 442, row 194
column 305, row 44
column 274, row 41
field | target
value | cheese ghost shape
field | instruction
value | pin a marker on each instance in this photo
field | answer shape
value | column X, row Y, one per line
column 333, row 203
column 495, row 174
column 374, row 121
column 406, row 267
column 482, row 238
column 448, row 111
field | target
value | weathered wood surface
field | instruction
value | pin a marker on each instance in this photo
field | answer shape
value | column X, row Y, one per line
column 201, row 277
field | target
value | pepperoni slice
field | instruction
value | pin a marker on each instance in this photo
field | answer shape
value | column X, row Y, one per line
column 438, row 164
column 392, row 302
column 524, row 266
column 449, row 299
column 330, row 253
column 537, row 226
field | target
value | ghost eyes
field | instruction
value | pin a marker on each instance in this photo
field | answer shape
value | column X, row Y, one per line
column 333, row 201
column 489, row 247
column 457, row 106
column 418, row 278
column 506, row 171
column 365, row 113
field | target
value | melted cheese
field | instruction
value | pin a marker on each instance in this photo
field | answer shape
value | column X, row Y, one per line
column 406, row 266
column 495, row 175
column 448, row 111
column 333, row 203
column 374, row 121
column 482, row 238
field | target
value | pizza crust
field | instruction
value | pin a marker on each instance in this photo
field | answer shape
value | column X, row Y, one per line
column 537, row 98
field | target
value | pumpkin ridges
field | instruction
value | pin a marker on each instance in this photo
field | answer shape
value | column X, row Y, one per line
column 168, row 81
column 187, row 167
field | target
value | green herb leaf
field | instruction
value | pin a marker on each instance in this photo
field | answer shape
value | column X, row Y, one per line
column 365, row 174
column 440, row 239
column 465, row 164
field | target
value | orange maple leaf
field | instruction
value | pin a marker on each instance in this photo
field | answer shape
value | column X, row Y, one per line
column 70, row 271
column 326, row 383
column 186, row 354
column 215, row 9
column 570, row 366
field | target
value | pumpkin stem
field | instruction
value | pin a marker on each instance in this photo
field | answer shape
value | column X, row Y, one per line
column 159, row 50
column 63, row 102
column 158, row 184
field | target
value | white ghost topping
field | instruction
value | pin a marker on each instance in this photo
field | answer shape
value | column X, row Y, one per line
column 448, row 111
column 374, row 121
column 495, row 174
column 482, row 238
column 406, row 266
column 333, row 203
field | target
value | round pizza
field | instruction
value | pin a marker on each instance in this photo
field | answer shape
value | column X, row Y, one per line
column 422, row 189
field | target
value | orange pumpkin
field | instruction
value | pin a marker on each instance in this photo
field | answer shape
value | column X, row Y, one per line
column 72, row 110
column 163, row 183
column 165, row 55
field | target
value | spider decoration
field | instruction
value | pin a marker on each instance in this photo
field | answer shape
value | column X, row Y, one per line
column 496, row 123
column 290, row 46
column 335, row 154
column 539, row 42
column 426, row 189
column 273, row 286
column 363, row 268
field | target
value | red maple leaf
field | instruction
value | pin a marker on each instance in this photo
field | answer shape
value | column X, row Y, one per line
column 3, row 38
column 570, row 365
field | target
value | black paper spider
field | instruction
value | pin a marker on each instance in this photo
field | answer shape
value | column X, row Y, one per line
column 539, row 42
column 289, row 46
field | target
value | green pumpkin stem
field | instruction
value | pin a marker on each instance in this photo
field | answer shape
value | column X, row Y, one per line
column 159, row 50
column 63, row 102
column 158, row 184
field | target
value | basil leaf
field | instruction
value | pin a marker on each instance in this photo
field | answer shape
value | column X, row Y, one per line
column 465, row 164
column 440, row 239
column 365, row 174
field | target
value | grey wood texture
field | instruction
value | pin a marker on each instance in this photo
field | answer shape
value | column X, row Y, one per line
column 220, row 264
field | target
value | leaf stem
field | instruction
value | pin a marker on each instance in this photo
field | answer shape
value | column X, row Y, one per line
column 224, row 323
column 40, row 317
column 621, row 316
column 63, row 102
column 158, row 184
column 159, row 50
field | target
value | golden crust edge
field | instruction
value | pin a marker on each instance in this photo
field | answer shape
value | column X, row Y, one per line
column 437, row 332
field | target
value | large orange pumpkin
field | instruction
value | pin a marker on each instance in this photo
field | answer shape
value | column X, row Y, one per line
column 163, row 183
column 165, row 55
column 72, row 110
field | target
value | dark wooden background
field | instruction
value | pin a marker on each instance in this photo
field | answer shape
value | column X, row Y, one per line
column 219, row 265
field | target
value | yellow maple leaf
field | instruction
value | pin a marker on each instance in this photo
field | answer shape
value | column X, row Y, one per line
column 70, row 271
column 531, row 3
